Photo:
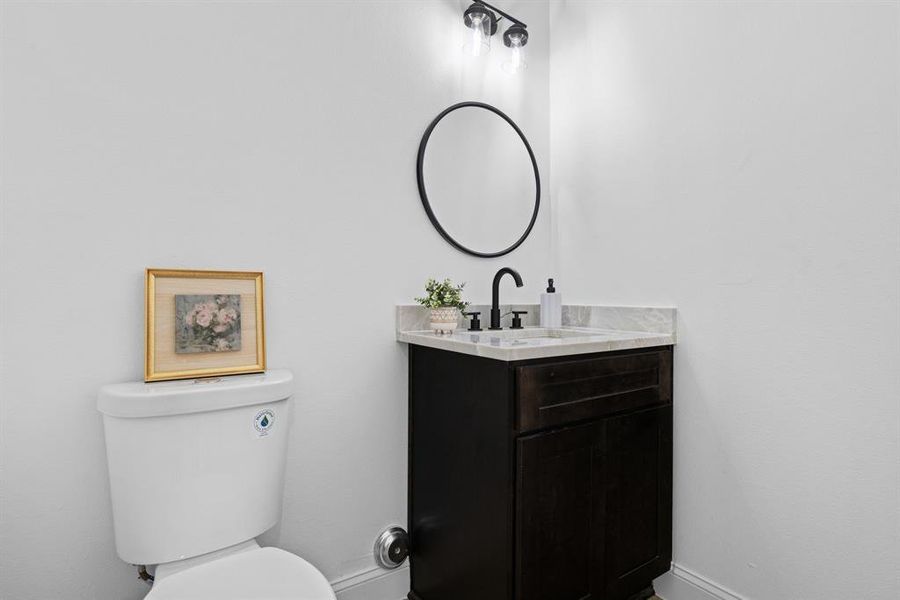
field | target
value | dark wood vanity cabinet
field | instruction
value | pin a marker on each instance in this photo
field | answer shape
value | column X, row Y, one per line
column 547, row 479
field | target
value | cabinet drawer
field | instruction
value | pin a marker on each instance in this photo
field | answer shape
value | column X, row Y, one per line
column 558, row 393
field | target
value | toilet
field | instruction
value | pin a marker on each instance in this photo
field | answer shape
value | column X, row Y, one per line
column 196, row 472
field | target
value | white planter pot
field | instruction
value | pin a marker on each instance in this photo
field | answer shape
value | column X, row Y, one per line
column 444, row 319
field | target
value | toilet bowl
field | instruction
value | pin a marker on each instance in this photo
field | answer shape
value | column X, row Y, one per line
column 196, row 473
column 249, row 573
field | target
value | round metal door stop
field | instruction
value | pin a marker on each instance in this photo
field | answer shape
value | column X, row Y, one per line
column 391, row 547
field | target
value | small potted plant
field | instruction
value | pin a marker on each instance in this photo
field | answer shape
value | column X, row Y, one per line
column 445, row 301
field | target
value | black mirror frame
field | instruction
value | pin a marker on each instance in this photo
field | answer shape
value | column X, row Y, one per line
column 420, row 177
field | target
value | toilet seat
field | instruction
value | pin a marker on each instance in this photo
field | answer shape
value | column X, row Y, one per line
column 260, row 574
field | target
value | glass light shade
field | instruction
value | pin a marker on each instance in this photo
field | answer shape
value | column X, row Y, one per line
column 479, row 35
column 516, row 61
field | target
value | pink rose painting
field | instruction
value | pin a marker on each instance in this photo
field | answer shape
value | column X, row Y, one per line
column 207, row 323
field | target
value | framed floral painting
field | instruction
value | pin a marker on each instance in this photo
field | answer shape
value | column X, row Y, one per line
column 203, row 324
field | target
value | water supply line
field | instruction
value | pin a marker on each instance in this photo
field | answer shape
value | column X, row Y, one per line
column 144, row 576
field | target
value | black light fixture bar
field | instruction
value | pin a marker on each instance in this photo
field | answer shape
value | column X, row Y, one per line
column 507, row 16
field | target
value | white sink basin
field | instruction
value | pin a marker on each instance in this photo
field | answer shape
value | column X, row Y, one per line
column 531, row 336
column 539, row 333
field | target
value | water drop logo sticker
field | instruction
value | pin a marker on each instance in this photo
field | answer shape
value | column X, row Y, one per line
column 263, row 422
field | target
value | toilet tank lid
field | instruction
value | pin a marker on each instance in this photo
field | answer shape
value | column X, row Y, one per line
column 138, row 399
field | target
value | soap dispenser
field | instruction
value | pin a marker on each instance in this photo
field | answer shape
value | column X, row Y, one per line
column 551, row 307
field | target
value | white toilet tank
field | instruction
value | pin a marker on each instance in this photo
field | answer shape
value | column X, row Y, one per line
column 195, row 466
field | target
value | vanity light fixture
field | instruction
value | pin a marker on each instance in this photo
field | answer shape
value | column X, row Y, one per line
column 483, row 24
column 482, row 18
column 515, row 39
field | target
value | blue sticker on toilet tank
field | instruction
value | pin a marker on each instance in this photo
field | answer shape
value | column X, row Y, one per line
column 263, row 421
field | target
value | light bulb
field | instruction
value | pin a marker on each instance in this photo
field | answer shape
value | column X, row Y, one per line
column 516, row 62
column 477, row 41
column 482, row 24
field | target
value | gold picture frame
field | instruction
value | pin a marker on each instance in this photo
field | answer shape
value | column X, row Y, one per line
column 189, row 336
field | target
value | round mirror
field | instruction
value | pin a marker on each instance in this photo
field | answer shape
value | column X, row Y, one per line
column 478, row 179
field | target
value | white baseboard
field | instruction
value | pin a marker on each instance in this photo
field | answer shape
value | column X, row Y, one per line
column 373, row 584
column 680, row 583
column 683, row 584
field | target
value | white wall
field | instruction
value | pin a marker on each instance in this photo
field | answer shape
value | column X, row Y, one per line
column 739, row 160
column 278, row 136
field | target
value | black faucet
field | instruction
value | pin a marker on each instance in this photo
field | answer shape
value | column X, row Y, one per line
column 495, row 294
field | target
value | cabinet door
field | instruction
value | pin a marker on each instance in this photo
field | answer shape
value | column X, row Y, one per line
column 594, row 508
column 637, row 494
column 557, row 521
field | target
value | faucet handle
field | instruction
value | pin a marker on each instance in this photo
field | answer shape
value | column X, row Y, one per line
column 475, row 323
column 517, row 320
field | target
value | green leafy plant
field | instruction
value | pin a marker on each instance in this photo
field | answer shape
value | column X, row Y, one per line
column 439, row 294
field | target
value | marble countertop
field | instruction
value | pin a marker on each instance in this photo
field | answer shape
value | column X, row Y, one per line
column 586, row 329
